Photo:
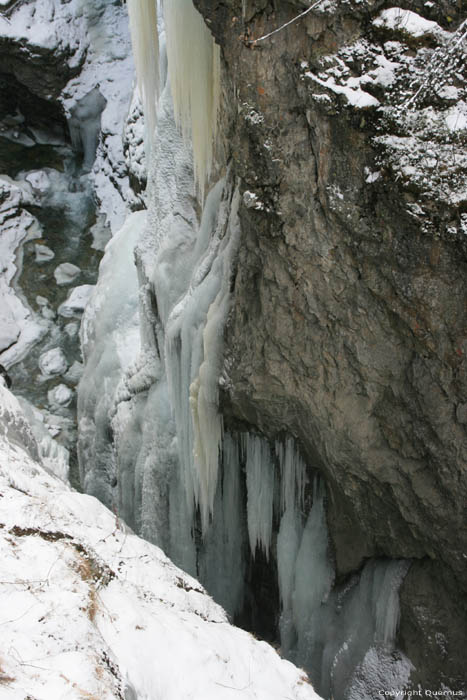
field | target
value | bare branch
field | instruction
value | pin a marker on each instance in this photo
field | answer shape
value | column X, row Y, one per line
column 287, row 24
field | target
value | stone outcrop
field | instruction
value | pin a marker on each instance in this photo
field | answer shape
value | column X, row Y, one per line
column 348, row 327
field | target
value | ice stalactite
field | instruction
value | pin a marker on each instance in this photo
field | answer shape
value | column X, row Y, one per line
column 334, row 632
column 194, row 70
column 260, row 480
column 222, row 553
column 145, row 41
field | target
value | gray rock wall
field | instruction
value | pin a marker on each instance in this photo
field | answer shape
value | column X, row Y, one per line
column 349, row 323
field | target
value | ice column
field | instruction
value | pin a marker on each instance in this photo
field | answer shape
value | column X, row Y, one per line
column 194, row 71
column 145, row 42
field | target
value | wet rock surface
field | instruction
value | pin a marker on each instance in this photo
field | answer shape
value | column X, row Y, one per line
column 348, row 327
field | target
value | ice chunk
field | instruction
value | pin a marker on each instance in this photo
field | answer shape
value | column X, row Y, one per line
column 43, row 253
column 77, row 300
column 66, row 273
column 53, row 362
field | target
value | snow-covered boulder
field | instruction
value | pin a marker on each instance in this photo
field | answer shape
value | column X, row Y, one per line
column 60, row 395
column 43, row 253
column 94, row 611
column 53, row 362
column 66, row 273
column 77, row 300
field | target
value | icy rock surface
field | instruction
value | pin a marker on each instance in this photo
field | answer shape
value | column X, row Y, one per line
column 20, row 328
column 105, row 614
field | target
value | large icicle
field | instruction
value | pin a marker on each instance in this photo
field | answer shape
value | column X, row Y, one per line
column 260, row 487
column 194, row 68
column 145, row 41
column 221, row 560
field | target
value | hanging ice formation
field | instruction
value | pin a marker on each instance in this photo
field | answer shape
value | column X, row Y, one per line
column 145, row 41
column 152, row 441
column 193, row 66
column 194, row 72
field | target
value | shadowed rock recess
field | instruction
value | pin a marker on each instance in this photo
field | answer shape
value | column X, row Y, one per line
column 348, row 322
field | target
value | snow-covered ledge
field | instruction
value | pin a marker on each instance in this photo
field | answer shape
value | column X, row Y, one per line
column 91, row 610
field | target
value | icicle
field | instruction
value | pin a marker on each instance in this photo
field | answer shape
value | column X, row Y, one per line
column 260, row 486
column 387, row 603
column 145, row 42
column 293, row 479
column 222, row 563
column 313, row 570
column 293, row 475
column 194, row 71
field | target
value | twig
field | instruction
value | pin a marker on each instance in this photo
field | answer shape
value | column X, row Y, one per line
column 287, row 24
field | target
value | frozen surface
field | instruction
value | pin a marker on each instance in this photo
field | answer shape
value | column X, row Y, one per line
column 94, row 611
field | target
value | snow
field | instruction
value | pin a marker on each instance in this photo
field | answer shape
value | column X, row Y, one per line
column 456, row 117
column 354, row 95
column 95, row 611
column 20, row 328
column 408, row 22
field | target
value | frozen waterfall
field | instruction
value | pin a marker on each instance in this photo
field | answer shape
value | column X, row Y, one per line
column 223, row 504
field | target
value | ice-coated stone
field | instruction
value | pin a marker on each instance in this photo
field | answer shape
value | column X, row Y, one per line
column 60, row 395
column 53, row 362
column 74, row 373
column 77, row 300
column 43, row 253
column 66, row 273
column 71, row 329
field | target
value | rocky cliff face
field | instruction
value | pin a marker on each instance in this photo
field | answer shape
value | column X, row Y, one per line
column 348, row 327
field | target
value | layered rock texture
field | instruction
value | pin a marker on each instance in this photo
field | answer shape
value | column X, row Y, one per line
column 348, row 325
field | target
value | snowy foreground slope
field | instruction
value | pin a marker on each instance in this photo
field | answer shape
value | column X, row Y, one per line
column 89, row 610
